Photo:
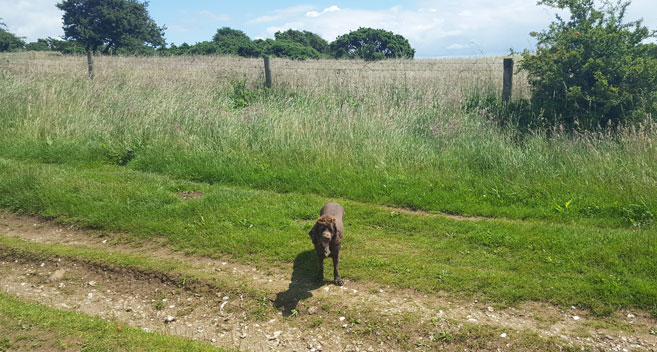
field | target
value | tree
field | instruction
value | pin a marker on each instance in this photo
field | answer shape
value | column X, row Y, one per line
column 229, row 34
column 235, row 42
column 304, row 38
column 9, row 41
column 592, row 69
column 112, row 24
column 288, row 49
column 109, row 23
column 371, row 44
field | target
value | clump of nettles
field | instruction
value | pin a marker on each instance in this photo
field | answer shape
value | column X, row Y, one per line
column 593, row 70
column 242, row 96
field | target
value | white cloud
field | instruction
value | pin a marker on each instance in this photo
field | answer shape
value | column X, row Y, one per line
column 202, row 17
column 457, row 46
column 178, row 29
column 214, row 17
column 643, row 9
column 326, row 10
column 334, row 21
column 282, row 14
column 32, row 19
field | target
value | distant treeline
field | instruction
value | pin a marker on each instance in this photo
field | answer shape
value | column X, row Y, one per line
column 364, row 43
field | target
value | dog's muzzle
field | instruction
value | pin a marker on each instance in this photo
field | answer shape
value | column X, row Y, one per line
column 325, row 244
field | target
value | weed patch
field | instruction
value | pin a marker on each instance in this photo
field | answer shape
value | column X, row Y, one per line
column 242, row 96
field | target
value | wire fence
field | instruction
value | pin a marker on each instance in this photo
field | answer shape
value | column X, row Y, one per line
column 417, row 68
column 282, row 71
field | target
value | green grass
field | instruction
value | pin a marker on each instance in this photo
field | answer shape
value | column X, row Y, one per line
column 30, row 326
column 112, row 153
column 387, row 134
column 599, row 268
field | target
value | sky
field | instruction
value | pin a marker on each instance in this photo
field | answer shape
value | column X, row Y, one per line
column 435, row 28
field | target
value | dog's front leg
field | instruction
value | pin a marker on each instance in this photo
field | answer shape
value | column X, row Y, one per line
column 336, row 275
column 320, row 261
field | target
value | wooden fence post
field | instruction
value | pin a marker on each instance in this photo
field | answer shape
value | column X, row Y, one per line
column 267, row 73
column 90, row 63
column 508, row 80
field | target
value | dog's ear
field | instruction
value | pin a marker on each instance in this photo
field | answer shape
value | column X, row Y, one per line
column 334, row 229
column 312, row 232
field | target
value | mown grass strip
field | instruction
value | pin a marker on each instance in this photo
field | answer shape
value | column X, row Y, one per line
column 30, row 326
column 602, row 269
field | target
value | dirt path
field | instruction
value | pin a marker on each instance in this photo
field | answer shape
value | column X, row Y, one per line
column 355, row 317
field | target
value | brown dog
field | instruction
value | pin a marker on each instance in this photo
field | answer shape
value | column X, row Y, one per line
column 327, row 238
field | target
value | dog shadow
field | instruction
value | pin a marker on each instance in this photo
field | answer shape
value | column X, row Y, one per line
column 304, row 274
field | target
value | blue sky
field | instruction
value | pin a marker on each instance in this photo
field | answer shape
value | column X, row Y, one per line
column 435, row 28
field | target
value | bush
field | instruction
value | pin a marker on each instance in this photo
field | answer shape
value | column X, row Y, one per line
column 242, row 95
column 136, row 50
column 9, row 41
column 174, row 49
column 65, row 46
column 39, row 45
column 226, row 42
column 203, row 48
column 593, row 70
column 290, row 50
column 304, row 38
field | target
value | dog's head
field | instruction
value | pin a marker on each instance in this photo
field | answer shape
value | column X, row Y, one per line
column 324, row 231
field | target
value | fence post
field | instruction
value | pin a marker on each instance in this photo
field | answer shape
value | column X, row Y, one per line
column 267, row 73
column 508, row 80
column 90, row 63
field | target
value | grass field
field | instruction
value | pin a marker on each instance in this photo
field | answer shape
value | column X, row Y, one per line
column 569, row 218
column 393, row 133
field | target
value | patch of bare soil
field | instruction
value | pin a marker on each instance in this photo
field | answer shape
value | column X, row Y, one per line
column 442, row 215
column 309, row 316
column 186, row 195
